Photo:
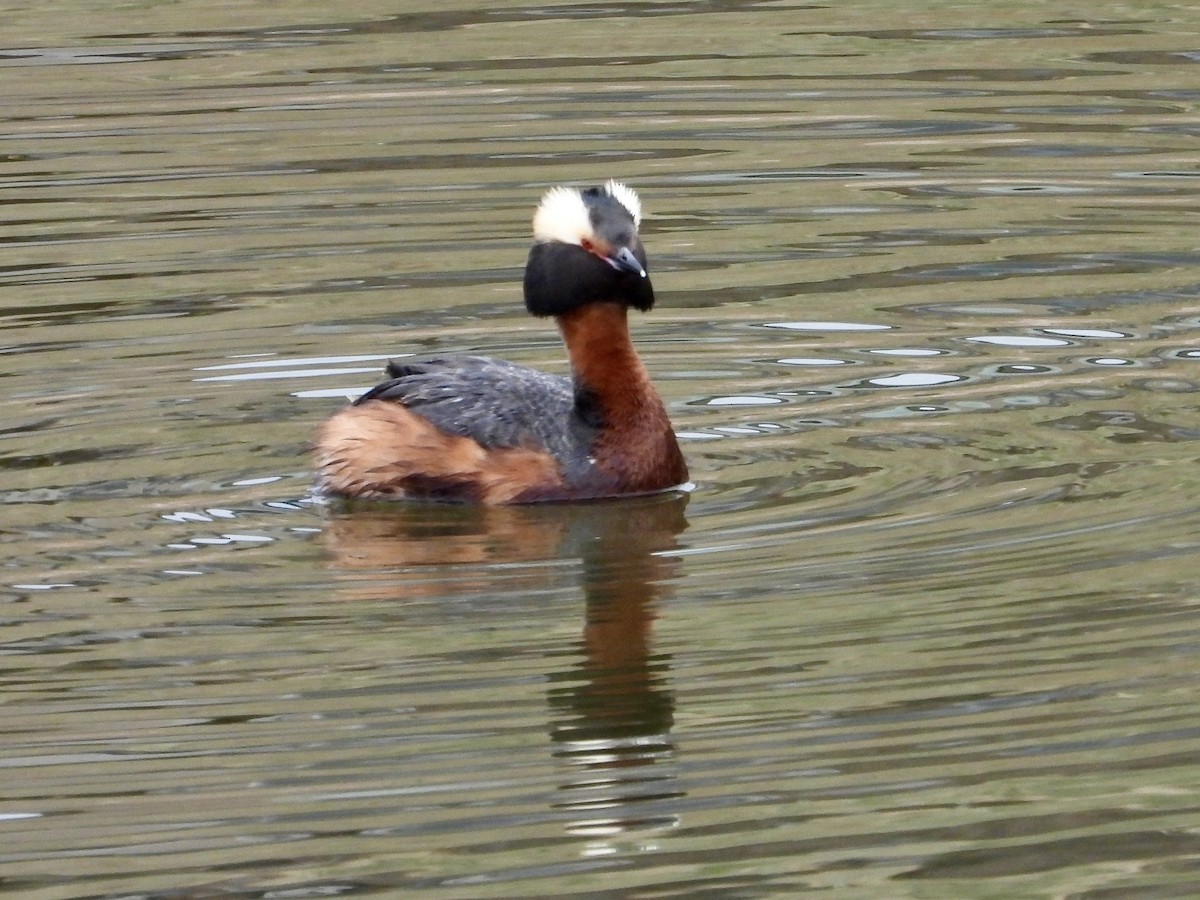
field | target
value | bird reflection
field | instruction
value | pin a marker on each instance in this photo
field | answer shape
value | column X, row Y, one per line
column 612, row 711
column 612, row 714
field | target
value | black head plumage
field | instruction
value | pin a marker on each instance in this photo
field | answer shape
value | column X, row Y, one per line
column 587, row 250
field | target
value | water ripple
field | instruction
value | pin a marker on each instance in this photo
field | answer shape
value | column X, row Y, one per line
column 926, row 325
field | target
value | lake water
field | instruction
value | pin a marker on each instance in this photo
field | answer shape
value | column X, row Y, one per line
column 927, row 627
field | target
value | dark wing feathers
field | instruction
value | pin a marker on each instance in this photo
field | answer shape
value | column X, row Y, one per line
column 491, row 401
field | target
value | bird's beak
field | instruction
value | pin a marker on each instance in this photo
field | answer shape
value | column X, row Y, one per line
column 623, row 260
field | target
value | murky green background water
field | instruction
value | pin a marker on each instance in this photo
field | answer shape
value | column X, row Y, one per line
column 929, row 324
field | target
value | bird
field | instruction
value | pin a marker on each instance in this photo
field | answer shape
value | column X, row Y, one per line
column 474, row 429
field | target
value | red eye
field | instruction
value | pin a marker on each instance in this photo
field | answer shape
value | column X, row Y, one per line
column 587, row 245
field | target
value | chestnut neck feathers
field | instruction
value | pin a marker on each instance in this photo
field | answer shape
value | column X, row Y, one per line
column 586, row 268
column 479, row 429
column 605, row 365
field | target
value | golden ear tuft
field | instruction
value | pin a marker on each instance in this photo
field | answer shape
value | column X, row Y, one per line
column 561, row 216
column 627, row 197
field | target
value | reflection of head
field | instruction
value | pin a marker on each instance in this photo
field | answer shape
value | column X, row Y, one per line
column 612, row 707
column 624, row 573
column 621, row 546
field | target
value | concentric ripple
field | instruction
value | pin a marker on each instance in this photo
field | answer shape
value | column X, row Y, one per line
column 923, row 626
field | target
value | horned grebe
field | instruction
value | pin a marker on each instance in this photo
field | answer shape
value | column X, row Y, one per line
column 482, row 430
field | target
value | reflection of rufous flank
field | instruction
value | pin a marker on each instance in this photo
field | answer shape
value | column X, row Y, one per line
column 453, row 544
column 410, row 534
column 470, row 539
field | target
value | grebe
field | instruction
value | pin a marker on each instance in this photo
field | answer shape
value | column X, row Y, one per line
column 482, row 430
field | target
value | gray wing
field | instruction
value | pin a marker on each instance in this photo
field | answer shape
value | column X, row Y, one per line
column 497, row 403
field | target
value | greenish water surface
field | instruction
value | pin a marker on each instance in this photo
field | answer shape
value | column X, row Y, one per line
column 928, row 326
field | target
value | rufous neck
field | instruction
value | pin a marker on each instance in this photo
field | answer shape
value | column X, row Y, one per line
column 603, row 359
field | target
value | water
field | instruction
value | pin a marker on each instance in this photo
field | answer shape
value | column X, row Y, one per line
column 929, row 327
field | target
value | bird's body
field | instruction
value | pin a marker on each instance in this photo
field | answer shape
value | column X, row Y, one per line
column 476, row 429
